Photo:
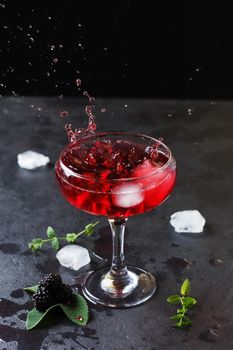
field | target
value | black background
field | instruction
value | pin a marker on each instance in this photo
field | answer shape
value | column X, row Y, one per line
column 117, row 48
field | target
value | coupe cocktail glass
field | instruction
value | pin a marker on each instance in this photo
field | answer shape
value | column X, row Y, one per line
column 117, row 175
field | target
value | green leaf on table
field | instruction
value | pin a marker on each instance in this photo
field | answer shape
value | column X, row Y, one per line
column 34, row 317
column 71, row 237
column 32, row 289
column 89, row 229
column 183, row 324
column 36, row 244
column 185, row 303
column 180, row 311
column 173, row 299
column 176, row 317
column 186, row 318
column 185, row 288
column 189, row 302
column 50, row 232
column 77, row 311
column 55, row 243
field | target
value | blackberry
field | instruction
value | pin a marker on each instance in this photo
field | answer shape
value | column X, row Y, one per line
column 51, row 291
column 52, row 281
column 64, row 294
column 43, row 299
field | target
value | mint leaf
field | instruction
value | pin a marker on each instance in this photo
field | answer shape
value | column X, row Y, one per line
column 36, row 244
column 71, row 237
column 77, row 312
column 178, row 324
column 186, row 318
column 89, row 229
column 189, row 302
column 175, row 317
column 173, row 299
column 185, row 323
column 55, row 243
column 185, row 303
column 34, row 317
column 180, row 311
column 32, row 289
column 185, row 288
column 50, row 232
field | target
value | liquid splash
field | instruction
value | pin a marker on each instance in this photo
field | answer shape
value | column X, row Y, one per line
column 74, row 135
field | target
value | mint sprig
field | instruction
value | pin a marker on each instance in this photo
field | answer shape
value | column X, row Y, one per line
column 186, row 302
column 37, row 243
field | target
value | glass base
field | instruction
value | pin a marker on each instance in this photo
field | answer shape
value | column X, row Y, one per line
column 99, row 288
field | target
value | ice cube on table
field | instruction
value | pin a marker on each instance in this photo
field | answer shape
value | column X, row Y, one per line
column 127, row 195
column 73, row 256
column 190, row 221
column 31, row 160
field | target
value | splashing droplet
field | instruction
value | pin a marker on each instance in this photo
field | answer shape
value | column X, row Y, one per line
column 78, row 82
column 91, row 99
column 189, row 111
column 103, row 110
column 63, row 114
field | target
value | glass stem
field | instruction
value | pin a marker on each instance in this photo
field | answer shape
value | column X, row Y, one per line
column 118, row 267
column 118, row 282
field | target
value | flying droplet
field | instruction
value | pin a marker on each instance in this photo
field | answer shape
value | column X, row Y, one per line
column 189, row 111
column 63, row 114
column 78, row 82
column 55, row 60
column 103, row 110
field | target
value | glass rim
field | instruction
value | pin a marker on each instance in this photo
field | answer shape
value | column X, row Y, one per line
column 81, row 140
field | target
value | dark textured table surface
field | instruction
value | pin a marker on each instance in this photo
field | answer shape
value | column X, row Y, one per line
column 200, row 135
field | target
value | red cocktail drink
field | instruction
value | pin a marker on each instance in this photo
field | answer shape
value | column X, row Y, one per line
column 110, row 175
column 116, row 175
